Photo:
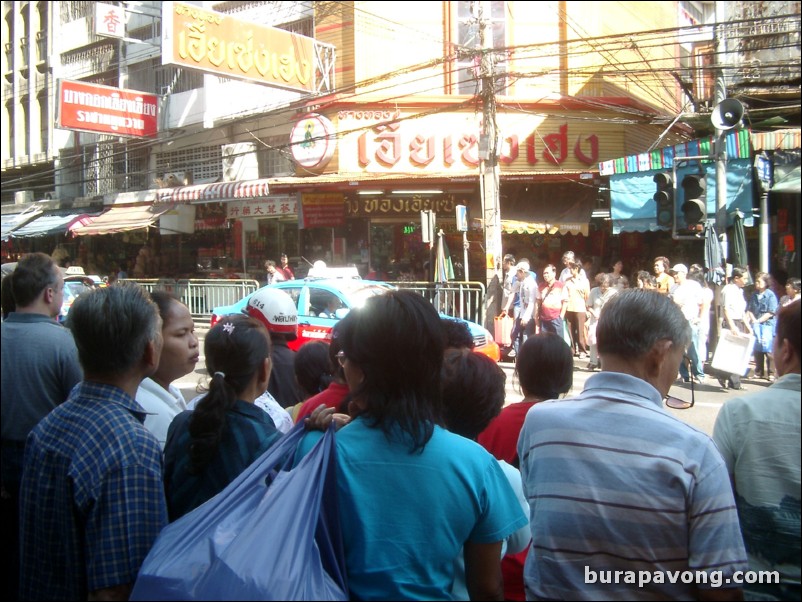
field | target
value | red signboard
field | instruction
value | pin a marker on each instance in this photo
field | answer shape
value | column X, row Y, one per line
column 106, row 110
column 323, row 210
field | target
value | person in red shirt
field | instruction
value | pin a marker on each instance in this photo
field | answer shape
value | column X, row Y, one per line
column 336, row 394
column 285, row 267
column 545, row 370
column 553, row 302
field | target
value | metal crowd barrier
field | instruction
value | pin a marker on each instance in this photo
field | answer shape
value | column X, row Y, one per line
column 199, row 295
column 464, row 300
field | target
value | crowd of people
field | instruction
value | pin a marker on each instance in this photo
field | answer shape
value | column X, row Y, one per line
column 443, row 491
column 570, row 306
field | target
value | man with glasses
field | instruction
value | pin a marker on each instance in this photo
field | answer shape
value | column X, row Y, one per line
column 616, row 483
column 39, row 368
column 759, row 437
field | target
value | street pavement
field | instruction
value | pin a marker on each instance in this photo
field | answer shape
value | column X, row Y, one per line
column 709, row 396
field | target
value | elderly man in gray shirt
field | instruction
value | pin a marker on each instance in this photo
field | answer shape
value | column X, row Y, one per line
column 39, row 369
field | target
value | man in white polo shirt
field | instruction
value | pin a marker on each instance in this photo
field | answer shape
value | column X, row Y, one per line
column 688, row 295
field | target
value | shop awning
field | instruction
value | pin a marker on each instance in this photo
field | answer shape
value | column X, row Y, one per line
column 121, row 218
column 12, row 221
column 516, row 227
column 214, row 192
column 632, row 205
column 787, row 178
column 572, row 217
column 51, row 223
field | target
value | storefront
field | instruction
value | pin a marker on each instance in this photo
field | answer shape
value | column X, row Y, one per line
column 392, row 163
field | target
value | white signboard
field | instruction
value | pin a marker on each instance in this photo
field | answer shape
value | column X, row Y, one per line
column 109, row 20
column 264, row 207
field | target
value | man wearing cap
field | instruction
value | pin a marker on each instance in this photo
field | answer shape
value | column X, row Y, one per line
column 687, row 294
column 525, row 288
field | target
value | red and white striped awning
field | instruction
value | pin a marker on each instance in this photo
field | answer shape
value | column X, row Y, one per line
column 218, row 191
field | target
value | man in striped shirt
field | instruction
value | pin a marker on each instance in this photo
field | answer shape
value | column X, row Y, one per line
column 626, row 501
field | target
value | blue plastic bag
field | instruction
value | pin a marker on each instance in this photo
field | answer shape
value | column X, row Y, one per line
column 266, row 536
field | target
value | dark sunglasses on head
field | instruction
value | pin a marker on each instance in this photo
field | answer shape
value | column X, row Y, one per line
column 676, row 402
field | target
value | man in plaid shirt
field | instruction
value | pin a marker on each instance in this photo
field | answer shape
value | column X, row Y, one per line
column 91, row 499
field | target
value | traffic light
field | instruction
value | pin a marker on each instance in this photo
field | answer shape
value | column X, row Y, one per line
column 694, row 206
column 664, row 197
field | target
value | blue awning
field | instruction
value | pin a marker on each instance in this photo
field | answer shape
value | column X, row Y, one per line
column 12, row 221
column 632, row 205
column 50, row 223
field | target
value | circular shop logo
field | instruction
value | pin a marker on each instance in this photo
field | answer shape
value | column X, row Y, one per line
column 313, row 141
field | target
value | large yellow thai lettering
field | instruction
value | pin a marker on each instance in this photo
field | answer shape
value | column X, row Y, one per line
column 192, row 44
column 217, row 51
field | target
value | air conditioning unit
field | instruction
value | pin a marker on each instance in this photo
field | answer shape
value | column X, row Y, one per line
column 240, row 162
column 23, row 196
column 49, row 195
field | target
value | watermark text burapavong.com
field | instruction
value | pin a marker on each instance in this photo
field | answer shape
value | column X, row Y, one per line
column 711, row 578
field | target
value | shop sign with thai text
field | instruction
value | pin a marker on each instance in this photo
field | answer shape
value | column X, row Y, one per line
column 218, row 43
column 449, row 142
column 322, row 210
column 265, row 207
column 395, row 207
column 95, row 108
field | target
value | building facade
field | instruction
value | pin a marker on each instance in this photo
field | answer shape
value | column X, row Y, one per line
column 396, row 121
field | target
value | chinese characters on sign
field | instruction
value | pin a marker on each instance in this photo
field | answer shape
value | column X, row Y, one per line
column 265, row 207
column 109, row 20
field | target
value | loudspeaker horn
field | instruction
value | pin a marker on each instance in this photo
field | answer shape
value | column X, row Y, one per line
column 727, row 114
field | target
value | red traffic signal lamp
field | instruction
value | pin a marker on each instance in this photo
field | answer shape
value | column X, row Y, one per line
column 664, row 197
column 694, row 207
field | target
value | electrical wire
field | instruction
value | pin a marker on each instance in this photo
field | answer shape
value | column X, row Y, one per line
column 293, row 107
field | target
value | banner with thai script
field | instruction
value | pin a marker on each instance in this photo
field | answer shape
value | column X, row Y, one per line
column 323, row 210
column 217, row 43
column 265, row 207
column 102, row 109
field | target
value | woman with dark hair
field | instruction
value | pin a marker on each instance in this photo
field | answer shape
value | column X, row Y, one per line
column 313, row 369
column 545, row 370
column 157, row 395
column 473, row 395
column 646, row 280
column 411, row 494
column 334, row 396
column 209, row 447
column 792, row 287
column 760, row 311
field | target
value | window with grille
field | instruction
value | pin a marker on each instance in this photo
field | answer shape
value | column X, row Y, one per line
column 172, row 80
column 274, row 159
column 131, row 166
column 72, row 11
column 205, row 163
column 467, row 75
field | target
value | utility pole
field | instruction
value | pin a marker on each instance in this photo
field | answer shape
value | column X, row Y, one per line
column 488, row 171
